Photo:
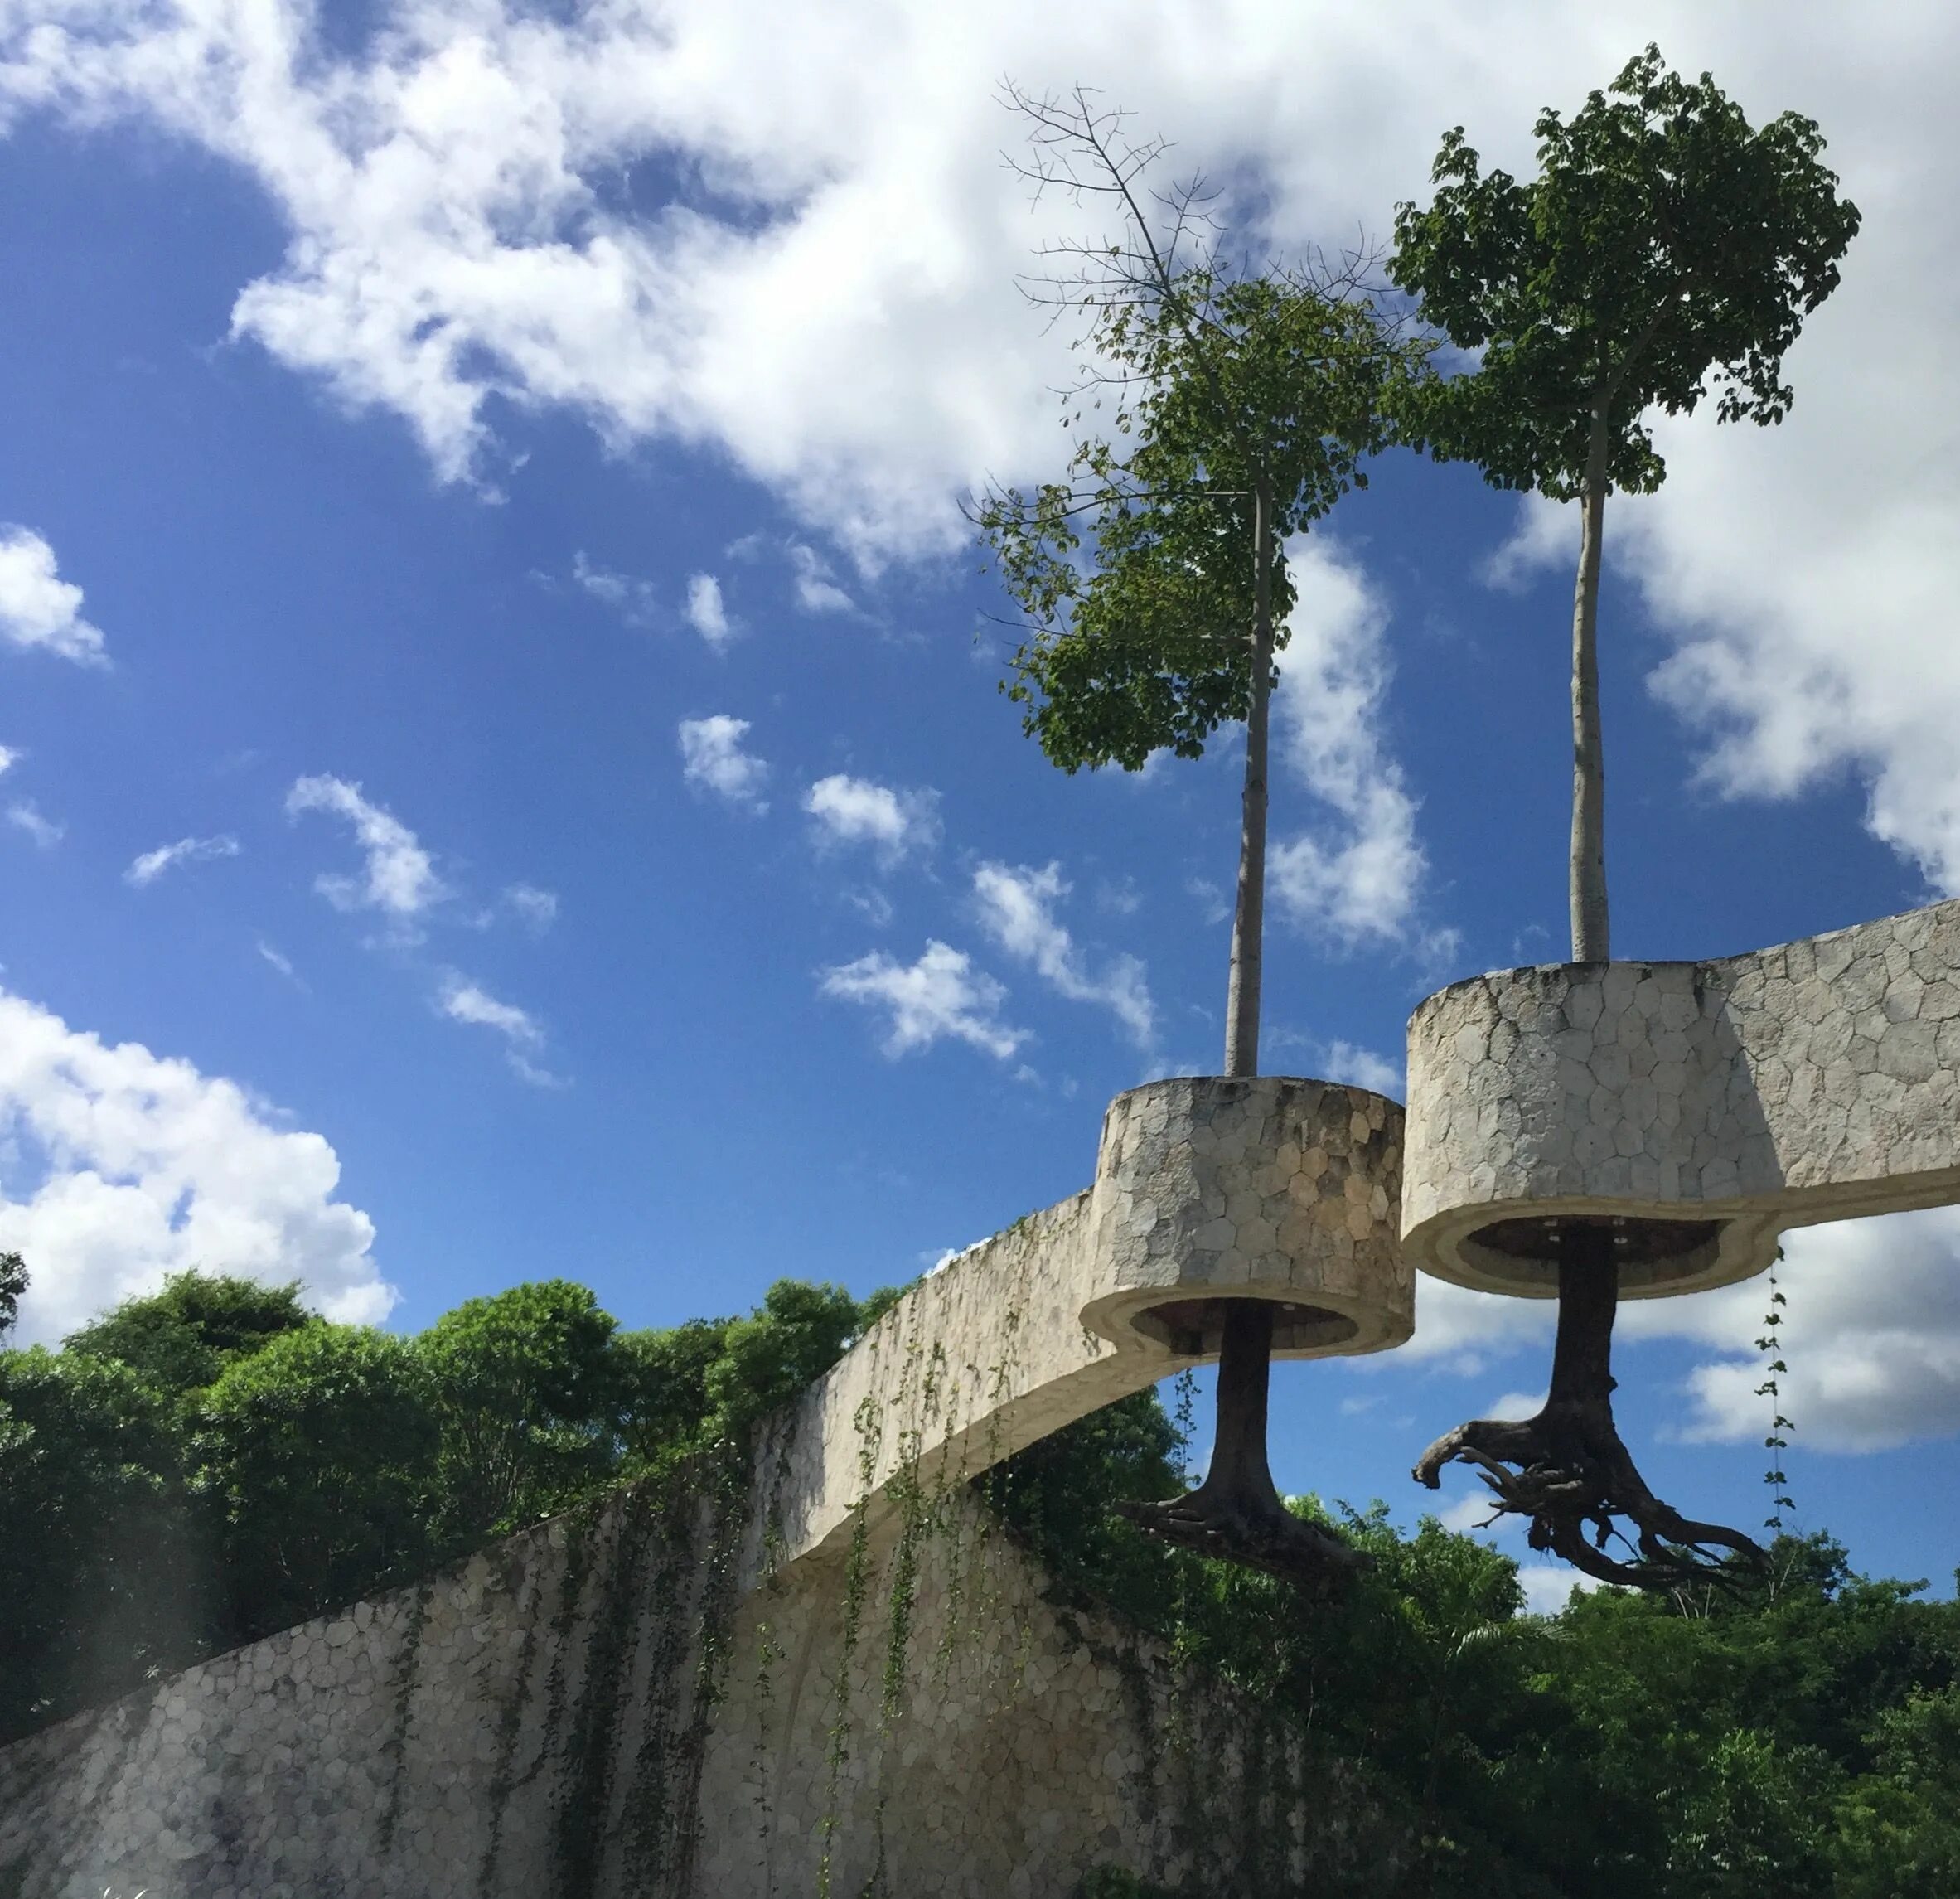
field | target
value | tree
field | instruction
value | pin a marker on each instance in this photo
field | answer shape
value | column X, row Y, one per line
column 521, row 1383
column 103, row 1559
column 320, row 1452
column 1665, row 253
column 181, row 1340
column 1154, row 586
column 13, row 1285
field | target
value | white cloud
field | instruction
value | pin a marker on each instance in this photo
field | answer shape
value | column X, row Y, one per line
column 1545, row 538
column 25, row 817
column 9, row 757
column 1467, row 1513
column 537, row 909
column 399, row 877
column 711, row 756
column 829, row 301
column 941, row 996
column 39, row 608
column 894, row 823
column 1549, row 1587
column 1213, row 907
column 1465, row 1330
column 152, row 864
column 1015, row 907
column 280, row 960
column 874, row 904
column 634, row 599
column 463, row 1001
column 1348, row 1062
column 707, row 614
column 817, row 591
column 121, row 1165
column 1333, row 676
column 1871, row 1337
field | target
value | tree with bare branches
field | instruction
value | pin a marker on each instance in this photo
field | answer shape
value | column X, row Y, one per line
column 1241, row 402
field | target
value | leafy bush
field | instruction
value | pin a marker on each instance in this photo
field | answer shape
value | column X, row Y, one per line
column 212, row 1462
column 320, row 1452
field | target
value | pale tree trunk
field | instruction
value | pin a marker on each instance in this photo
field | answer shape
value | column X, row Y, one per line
column 1588, row 865
column 1241, row 993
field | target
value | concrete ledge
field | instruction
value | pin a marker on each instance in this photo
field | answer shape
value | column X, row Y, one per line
column 1729, row 1100
column 1270, row 1188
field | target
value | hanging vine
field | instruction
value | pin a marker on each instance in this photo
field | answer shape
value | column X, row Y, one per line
column 1770, row 1344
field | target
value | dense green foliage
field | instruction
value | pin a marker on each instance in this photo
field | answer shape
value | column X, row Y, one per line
column 1663, row 243
column 205, row 1465
column 1805, row 1741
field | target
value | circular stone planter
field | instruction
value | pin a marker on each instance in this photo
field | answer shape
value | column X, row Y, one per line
column 1272, row 1188
column 1696, row 1108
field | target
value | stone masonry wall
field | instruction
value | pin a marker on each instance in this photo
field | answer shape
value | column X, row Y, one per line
column 543, row 1723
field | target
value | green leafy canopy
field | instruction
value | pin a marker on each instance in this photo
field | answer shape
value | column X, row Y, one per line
column 1135, row 575
column 1664, row 249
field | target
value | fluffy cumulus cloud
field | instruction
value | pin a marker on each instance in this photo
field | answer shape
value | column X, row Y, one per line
column 1357, row 879
column 707, row 613
column 152, row 864
column 1871, row 1337
column 1016, row 905
column 463, row 1001
column 118, row 1165
column 942, row 997
column 828, row 299
column 38, row 608
column 712, row 758
column 894, row 822
column 1349, row 1062
column 398, row 876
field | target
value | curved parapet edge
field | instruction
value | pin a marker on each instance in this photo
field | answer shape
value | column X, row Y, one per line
column 1707, row 1107
column 1266, row 1187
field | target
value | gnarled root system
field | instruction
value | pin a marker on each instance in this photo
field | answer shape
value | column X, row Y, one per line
column 1236, row 1514
column 1566, row 1468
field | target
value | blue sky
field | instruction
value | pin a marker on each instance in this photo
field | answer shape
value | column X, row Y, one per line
column 508, row 465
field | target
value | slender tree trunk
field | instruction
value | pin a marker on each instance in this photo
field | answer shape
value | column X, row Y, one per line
column 1241, row 994
column 1588, row 867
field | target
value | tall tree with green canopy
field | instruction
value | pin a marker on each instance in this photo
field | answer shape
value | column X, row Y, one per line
column 319, row 1451
column 181, row 1338
column 521, row 1383
column 1154, row 588
column 1665, row 253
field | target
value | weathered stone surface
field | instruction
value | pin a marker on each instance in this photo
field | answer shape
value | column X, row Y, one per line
column 537, row 1722
column 1817, row 1081
column 1270, row 1188
column 534, row 1725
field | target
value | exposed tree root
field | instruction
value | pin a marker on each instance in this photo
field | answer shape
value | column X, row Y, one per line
column 1236, row 1514
column 1572, row 1475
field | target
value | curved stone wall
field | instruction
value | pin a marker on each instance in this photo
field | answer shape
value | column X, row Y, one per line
column 1713, row 1103
column 1273, row 1188
column 1269, row 1188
